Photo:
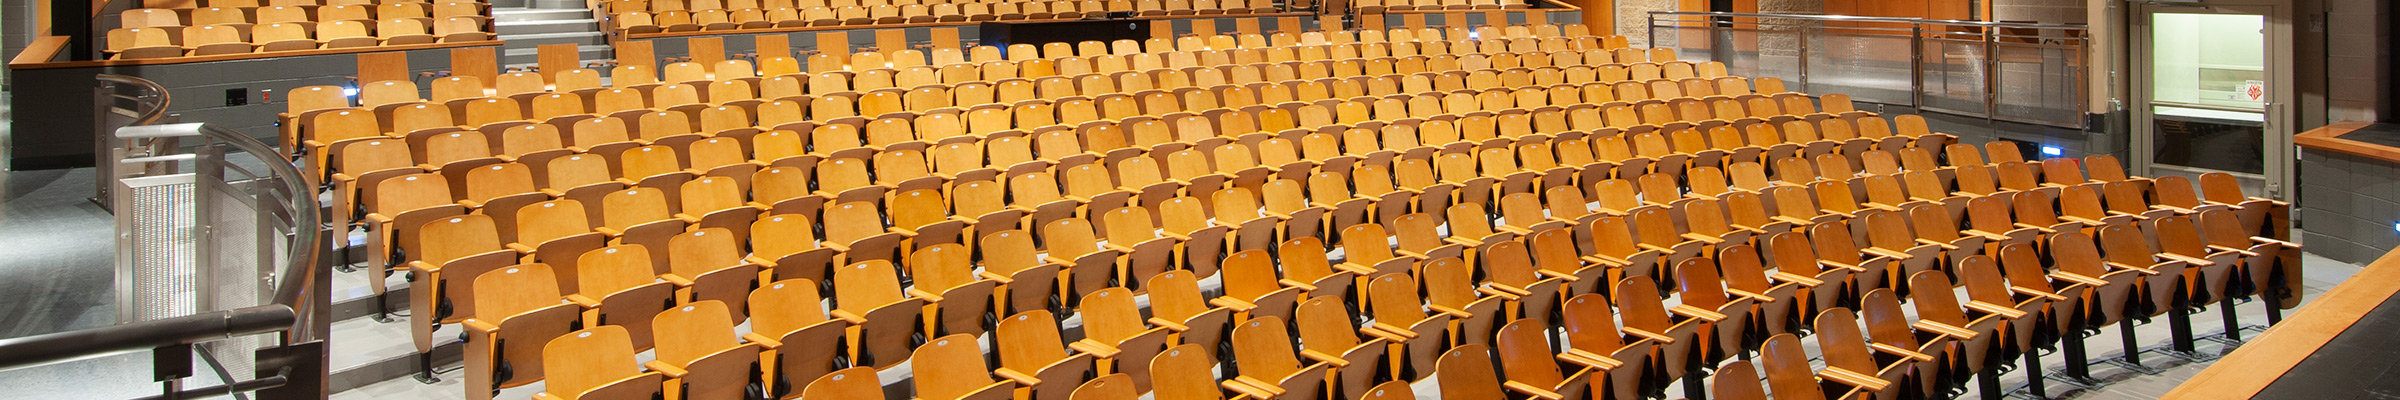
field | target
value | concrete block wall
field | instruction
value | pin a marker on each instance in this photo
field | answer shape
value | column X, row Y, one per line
column 62, row 136
column 2351, row 205
column 1633, row 18
column 2358, row 67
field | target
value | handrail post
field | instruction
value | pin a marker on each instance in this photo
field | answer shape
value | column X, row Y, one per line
column 1650, row 28
column 1802, row 37
column 1916, row 62
column 1991, row 75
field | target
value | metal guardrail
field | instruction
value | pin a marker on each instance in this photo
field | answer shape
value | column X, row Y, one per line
column 2020, row 72
column 255, row 265
column 146, row 102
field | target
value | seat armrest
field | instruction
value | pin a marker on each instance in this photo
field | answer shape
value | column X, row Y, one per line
column 663, row 369
column 477, row 325
column 1170, row 325
column 928, row 296
column 1453, row 312
column 1897, row 351
column 845, row 315
column 1253, row 387
column 585, row 301
column 1996, row 309
column 1654, row 336
column 1355, row 268
column 762, row 341
column 2145, row 270
column 1388, row 332
column 1854, row 379
column 1944, row 246
column 1020, row 377
column 1503, row 292
column 1095, row 348
column 1803, row 280
column 2037, row 293
column 1331, row 359
column 1589, row 359
column 1752, row 296
column 1697, row 312
column 678, row 280
column 1232, row 303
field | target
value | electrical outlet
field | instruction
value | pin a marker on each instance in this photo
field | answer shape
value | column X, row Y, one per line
column 237, row 96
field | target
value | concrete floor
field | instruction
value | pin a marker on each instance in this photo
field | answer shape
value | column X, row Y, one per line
column 55, row 276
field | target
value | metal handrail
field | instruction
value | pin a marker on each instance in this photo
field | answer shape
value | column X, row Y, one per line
column 300, row 300
column 155, row 91
column 145, row 335
column 1855, row 18
column 298, row 278
column 1993, row 101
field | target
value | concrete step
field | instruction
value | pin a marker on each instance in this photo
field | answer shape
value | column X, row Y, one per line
column 530, row 40
column 527, row 56
column 511, row 29
column 507, row 15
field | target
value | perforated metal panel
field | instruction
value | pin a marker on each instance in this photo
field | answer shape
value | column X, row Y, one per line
column 157, row 273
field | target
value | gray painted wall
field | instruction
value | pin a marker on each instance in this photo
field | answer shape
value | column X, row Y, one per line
column 2348, row 205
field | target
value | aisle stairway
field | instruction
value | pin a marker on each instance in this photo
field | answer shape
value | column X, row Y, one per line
column 527, row 28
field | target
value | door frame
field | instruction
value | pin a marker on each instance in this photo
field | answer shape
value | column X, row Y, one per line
column 2280, row 111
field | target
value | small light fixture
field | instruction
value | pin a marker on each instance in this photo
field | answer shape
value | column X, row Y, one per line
column 2053, row 151
column 350, row 92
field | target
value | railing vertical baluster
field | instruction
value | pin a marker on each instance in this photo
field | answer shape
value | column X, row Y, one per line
column 1916, row 62
column 1991, row 73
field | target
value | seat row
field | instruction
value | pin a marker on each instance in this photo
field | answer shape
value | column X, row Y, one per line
column 187, row 5
column 607, row 136
column 1101, row 59
column 659, row 210
column 141, row 43
column 671, row 5
column 478, row 149
column 1229, row 111
column 385, row 94
column 165, row 33
column 668, row 16
column 1383, row 6
column 246, row 16
column 1634, row 288
column 399, row 117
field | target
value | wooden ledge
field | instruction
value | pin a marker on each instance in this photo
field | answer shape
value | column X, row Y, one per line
column 2329, row 138
column 2253, row 366
column 21, row 62
column 40, row 51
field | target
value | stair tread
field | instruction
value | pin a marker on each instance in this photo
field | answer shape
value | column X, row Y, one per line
column 550, row 35
column 547, row 22
column 586, row 48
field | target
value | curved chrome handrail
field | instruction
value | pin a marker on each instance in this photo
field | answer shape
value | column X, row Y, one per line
column 297, row 279
column 156, row 110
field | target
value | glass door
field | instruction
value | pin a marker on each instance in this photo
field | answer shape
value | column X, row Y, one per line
column 2213, row 93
